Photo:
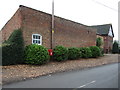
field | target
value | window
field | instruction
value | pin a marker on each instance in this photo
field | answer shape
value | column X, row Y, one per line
column 37, row 39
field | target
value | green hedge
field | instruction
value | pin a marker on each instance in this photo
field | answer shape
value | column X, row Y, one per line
column 102, row 51
column 73, row 53
column 60, row 53
column 36, row 54
column 85, row 52
column 95, row 51
column 12, row 49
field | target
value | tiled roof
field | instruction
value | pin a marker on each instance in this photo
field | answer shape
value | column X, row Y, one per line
column 103, row 29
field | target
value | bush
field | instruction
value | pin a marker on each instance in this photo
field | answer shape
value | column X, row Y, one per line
column 115, row 48
column 73, row 53
column 36, row 54
column 95, row 51
column 13, row 48
column 119, row 50
column 99, row 42
column 60, row 53
column 85, row 52
column 102, row 51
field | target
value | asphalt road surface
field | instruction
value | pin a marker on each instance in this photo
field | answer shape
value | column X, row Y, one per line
column 98, row 77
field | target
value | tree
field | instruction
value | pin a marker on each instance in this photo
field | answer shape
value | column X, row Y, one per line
column 119, row 50
column 115, row 48
column 98, row 42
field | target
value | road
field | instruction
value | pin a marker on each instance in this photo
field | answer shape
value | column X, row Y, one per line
column 98, row 77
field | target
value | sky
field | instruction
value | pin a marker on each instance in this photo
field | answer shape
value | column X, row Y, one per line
column 87, row 12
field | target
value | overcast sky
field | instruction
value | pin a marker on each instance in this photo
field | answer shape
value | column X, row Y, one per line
column 88, row 12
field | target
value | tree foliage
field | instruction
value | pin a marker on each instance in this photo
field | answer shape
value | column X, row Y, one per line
column 13, row 48
column 99, row 42
column 115, row 48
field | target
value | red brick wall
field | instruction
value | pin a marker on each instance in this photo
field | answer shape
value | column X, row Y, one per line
column 67, row 33
column 71, row 34
column 108, row 42
column 11, row 25
column 35, row 22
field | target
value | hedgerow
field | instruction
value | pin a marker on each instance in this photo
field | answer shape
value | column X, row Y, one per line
column 13, row 49
column 73, row 53
column 36, row 54
column 85, row 52
column 60, row 53
column 95, row 51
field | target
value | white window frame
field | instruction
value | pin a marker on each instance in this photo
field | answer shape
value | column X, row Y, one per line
column 37, row 39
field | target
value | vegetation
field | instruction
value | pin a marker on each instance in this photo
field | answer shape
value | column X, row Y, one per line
column 102, row 51
column 95, row 51
column 99, row 42
column 60, row 53
column 13, row 51
column 36, row 54
column 115, row 48
column 73, row 53
column 119, row 50
column 13, row 48
column 85, row 52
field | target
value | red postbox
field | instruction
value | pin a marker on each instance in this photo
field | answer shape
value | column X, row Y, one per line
column 50, row 52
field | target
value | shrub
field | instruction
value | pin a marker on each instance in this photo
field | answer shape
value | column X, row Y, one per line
column 102, row 51
column 60, row 53
column 85, row 52
column 115, row 48
column 12, row 49
column 95, row 51
column 36, row 54
column 73, row 53
column 99, row 42
column 119, row 50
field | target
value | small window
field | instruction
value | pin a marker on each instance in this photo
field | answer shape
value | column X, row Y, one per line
column 37, row 39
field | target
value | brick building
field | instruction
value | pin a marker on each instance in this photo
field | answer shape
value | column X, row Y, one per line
column 37, row 28
column 106, row 33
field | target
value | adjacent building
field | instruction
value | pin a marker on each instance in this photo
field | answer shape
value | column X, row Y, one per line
column 106, row 33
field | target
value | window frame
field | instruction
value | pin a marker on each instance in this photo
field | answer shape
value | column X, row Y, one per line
column 37, row 39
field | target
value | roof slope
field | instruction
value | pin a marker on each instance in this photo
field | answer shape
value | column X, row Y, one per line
column 103, row 29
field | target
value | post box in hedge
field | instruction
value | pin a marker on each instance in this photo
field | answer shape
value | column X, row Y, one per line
column 50, row 52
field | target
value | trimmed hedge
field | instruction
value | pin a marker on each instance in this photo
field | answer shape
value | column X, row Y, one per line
column 95, row 51
column 60, row 53
column 13, row 49
column 36, row 54
column 73, row 53
column 85, row 52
